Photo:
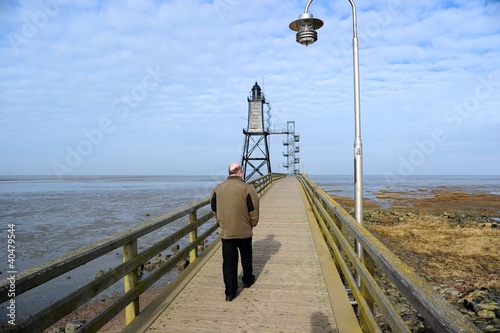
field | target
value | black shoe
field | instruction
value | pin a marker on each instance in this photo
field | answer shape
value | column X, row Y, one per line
column 248, row 285
column 229, row 298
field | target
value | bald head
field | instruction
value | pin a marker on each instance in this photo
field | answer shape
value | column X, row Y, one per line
column 235, row 169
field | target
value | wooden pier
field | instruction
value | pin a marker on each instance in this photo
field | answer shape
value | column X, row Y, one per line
column 298, row 288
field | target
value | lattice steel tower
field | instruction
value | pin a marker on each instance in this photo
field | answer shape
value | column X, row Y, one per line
column 256, row 147
column 291, row 144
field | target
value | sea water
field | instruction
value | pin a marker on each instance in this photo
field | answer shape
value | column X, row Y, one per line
column 54, row 216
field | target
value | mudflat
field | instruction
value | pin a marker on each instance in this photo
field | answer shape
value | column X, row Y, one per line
column 450, row 238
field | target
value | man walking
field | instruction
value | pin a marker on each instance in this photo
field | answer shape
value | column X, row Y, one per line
column 236, row 208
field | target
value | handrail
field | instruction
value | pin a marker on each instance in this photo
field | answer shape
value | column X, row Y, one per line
column 332, row 218
column 128, row 270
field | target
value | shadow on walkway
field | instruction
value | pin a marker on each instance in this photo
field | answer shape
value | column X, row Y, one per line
column 263, row 250
column 321, row 324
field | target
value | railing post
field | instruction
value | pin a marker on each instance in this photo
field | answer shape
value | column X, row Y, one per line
column 370, row 266
column 130, row 281
column 193, row 236
column 368, row 263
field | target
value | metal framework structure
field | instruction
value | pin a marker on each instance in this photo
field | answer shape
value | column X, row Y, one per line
column 292, row 149
column 256, row 159
column 256, row 147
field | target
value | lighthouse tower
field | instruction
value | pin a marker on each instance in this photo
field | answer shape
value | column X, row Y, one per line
column 255, row 158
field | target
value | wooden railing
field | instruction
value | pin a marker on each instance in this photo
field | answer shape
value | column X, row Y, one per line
column 333, row 221
column 128, row 270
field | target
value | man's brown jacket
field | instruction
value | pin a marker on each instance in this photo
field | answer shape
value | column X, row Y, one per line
column 236, row 208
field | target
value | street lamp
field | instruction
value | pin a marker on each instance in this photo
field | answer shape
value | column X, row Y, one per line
column 306, row 27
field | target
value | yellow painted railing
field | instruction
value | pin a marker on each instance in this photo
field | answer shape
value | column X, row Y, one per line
column 334, row 221
column 128, row 270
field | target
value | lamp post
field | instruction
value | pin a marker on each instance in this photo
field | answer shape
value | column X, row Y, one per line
column 306, row 27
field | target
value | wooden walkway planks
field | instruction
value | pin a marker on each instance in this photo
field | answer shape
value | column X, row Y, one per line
column 297, row 289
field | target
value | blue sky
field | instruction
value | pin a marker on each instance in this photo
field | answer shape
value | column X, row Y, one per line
column 160, row 87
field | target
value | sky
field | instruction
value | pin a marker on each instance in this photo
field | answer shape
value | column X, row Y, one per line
column 160, row 87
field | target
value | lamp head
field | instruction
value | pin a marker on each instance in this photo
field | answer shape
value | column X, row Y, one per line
column 306, row 27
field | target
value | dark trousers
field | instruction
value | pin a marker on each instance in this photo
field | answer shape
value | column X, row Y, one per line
column 230, row 249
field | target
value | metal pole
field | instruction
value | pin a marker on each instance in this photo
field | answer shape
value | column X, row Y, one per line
column 307, row 6
column 358, row 152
